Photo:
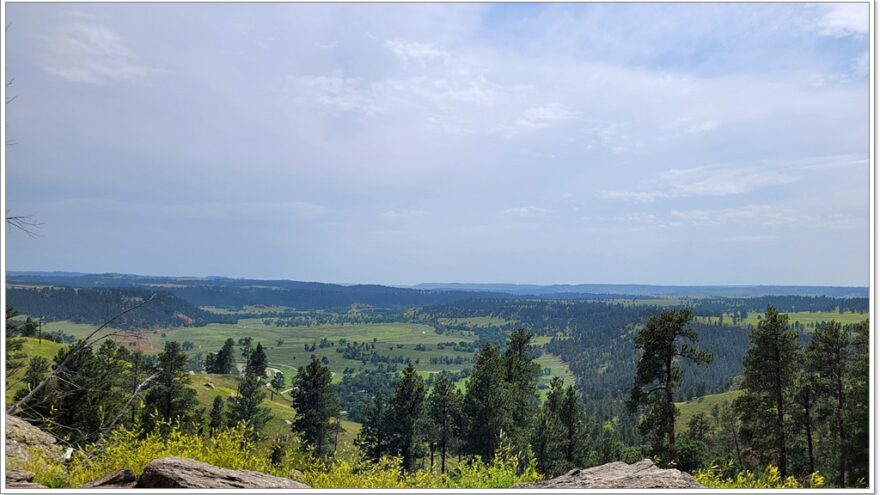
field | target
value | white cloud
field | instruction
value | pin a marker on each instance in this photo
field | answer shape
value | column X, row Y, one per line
column 537, row 118
column 419, row 52
column 335, row 94
column 90, row 53
column 768, row 216
column 844, row 19
column 711, row 180
column 524, row 212
column 393, row 215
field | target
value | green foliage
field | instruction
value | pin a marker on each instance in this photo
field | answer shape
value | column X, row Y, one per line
column 405, row 409
column 444, row 409
column 171, row 399
column 485, row 405
column 246, row 407
column 126, row 448
column 257, row 362
column 315, row 404
column 770, row 369
column 560, row 437
column 770, row 477
column 657, row 368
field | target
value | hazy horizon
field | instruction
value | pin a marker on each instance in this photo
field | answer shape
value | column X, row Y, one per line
column 398, row 144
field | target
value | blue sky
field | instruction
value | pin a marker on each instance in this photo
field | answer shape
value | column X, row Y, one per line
column 397, row 144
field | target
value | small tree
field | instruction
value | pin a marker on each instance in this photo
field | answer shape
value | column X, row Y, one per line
column 246, row 408
column 277, row 383
column 444, row 406
column 217, row 414
column 315, row 404
column 404, row 412
column 373, row 437
column 257, row 362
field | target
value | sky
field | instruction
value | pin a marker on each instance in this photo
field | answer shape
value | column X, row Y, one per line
column 682, row 144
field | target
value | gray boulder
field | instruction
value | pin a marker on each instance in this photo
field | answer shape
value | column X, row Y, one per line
column 120, row 479
column 643, row 474
column 176, row 472
column 22, row 436
column 21, row 479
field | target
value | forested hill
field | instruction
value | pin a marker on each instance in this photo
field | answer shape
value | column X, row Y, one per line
column 237, row 293
column 95, row 306
column 566, row 291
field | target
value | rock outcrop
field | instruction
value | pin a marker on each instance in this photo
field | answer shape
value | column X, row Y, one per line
column 176, row 472
column 21, row 479
column 22, row 436
column 120, row 479
column 643, row 474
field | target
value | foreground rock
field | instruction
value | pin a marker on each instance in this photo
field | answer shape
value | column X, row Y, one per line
column 21, row 479
column 176, row 472
column 120, row 479
column 22, row 436
column 643, row 474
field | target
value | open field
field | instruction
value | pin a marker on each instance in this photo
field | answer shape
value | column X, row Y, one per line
column 31, row 347
column 702, row 404
column 286, row 346
column 808, row 319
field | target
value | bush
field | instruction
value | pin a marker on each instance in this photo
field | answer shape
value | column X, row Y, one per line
column 233, row 448
column 769, row 478
column 690, row 454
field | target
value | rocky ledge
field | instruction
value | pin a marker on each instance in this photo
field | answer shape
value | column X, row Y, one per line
column 643, row 474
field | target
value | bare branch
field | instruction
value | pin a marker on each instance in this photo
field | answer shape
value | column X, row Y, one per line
column 124, row 408
column 24, row 224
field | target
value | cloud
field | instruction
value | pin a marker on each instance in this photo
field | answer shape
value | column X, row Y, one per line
column 723, row 180
column 844, row 19
column 419, row 52
column 537, row 118
column 393, row 215
column 90, row 53
column 335, row 94
column 524, row 212
column 767, row 215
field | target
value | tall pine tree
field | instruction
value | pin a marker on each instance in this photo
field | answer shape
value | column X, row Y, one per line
column 405, row 410
column 315, row 404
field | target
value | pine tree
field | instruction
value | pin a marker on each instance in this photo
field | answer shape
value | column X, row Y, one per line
column 171, row 398
column 315, row 404
column 246, row 408
column 444, row 406
column 257, row 362
column 521, row 376
column 217, row 414
column 858, row 388
column 769, row 371
column 485, row 404
column 373, row 437
column 827, row 358
column 560, row 437
column 405, row 409
column 657, row 368
column 277, row 383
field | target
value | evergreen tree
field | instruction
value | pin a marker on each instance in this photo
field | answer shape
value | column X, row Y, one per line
column 373, row 438
column 521, row 377
column 315, row 404
column 257, row 362
column 827, row 359
column 657, row 369
column 803, row 414
column 405, row 409
column 246, row 408
column 857, row 388
column 445, row 410
column 560, row 437
column 246, row 346
column 277, row 383
column 170, row 398
column 222, row 363
column 769, row 371
column 485, row 404
column 217, row 414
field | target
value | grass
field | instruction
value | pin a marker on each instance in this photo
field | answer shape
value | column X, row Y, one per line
column 475, row 321
column 808, row 319
column 279, row 406
column 31, row 347
column 703, row 404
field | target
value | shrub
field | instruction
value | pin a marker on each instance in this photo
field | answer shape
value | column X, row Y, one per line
column 768, row 478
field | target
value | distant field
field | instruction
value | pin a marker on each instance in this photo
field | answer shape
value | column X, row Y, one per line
column 647, row 302
column 475, row 321
column 31, row 348
column 806, row 318
column 702, row 404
